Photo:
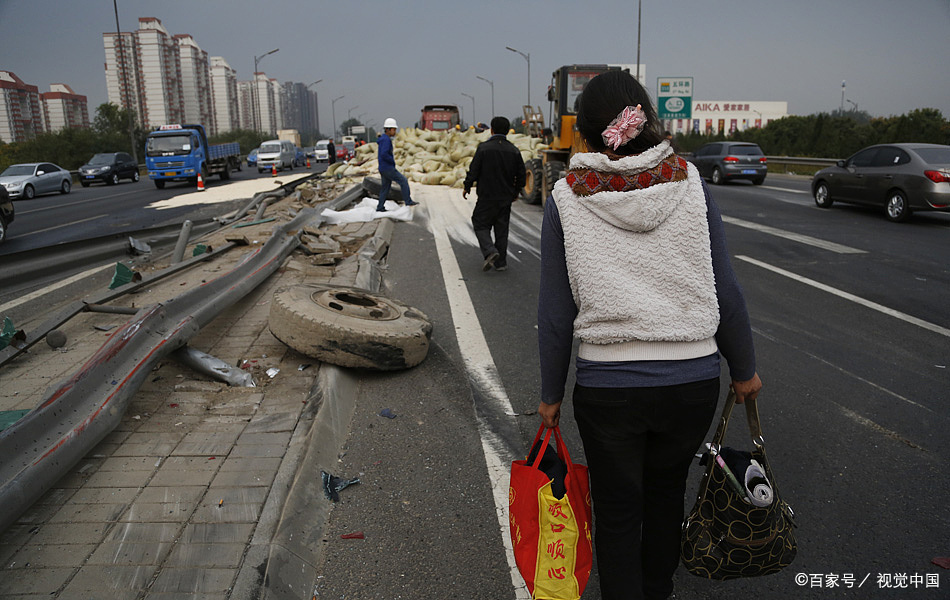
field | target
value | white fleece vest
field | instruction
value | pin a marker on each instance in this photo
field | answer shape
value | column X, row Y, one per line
column 639, row 264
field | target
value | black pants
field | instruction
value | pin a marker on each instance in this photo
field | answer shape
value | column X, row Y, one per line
column 639, row 444
column 489, row 215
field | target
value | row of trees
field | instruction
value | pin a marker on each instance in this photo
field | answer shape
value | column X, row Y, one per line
column 837, row 135
column 70, row 148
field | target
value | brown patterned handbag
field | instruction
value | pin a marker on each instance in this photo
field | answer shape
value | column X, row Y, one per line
column 725, row 536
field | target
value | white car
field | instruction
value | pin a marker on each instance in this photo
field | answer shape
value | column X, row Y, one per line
column 321, row 154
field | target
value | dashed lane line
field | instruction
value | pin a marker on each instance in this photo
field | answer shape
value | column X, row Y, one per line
column 795, row 237
column 848, row 296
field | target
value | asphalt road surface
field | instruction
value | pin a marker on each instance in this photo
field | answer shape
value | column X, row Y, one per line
column 103, row 209
column 853, row 345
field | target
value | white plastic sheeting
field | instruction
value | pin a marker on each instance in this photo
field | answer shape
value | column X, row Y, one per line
column 365, row 212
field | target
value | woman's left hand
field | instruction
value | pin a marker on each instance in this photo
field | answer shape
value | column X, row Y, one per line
column 550, row 414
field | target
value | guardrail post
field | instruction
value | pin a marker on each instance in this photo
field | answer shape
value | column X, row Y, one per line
column 179, row 253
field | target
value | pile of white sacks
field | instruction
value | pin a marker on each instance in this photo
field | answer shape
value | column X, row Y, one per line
column 432, row 157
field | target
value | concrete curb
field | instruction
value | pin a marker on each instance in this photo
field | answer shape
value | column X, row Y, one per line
column 285, row 552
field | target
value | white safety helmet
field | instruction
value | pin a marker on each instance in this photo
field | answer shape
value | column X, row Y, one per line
column 390, row 123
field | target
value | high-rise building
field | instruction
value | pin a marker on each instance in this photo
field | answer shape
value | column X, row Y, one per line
column 62, row 108
column 20, row 113
column 195, row 83
column 300, row 110
column 122, row 73
column 246, row 113
column 224, row 93
column 264, row 104
column 143, row 72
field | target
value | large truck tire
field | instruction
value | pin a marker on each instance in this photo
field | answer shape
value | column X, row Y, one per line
column 534, row 181
column 350, row 327
column 373, row 185
column 552, row 172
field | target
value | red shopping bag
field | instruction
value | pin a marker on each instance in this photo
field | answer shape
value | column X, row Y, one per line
column 551, row 536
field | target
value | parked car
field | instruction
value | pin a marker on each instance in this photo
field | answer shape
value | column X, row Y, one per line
column 6, row 213
column 252, row 158
column 109, row 167
column 900, row 178
column 721, row 161
column 27, row 180
column 320, row 151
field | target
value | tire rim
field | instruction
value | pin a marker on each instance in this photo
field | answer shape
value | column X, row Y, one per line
column 895, row 206
column 355, row 304
column 821, row 196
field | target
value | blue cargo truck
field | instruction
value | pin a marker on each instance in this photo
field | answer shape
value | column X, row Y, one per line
column 181, row 152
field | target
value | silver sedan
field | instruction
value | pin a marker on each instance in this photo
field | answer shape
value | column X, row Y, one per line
column 28, row 180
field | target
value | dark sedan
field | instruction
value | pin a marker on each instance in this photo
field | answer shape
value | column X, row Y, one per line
column 900, row 178
column 723, row 161
column 6, row 213
column 109, row 167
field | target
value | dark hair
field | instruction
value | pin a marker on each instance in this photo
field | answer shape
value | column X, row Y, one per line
column 500, row 125
column 605, row 97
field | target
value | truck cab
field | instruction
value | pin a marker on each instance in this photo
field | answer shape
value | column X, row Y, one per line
column 439, row 117
column 181, row 152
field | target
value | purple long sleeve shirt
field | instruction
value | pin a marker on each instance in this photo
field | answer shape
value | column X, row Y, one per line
column 557, row 311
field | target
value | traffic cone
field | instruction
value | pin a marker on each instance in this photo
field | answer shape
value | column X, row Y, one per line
column 201, row 183
column 273, row 170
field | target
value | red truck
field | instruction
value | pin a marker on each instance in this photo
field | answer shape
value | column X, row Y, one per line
column 439, row 117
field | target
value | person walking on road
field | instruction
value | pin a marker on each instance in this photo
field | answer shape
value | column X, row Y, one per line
column 634, row 264
column 498, row 171
column 387, row 167
column 331, row 153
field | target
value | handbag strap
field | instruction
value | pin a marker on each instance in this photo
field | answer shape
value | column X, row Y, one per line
column 537, row 438
column 752, row 417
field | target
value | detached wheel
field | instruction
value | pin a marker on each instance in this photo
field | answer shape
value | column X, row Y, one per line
column 823, row 196
column 534, row 180
column 350, row 327
column 897, row 208
column 716, row 176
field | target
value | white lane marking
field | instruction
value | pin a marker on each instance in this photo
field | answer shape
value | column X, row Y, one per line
column 847, row 296
column 51, row 288
column 446, row 214
column 778, row 189
column 71, row 223
column 795, row 237
column 839, row 369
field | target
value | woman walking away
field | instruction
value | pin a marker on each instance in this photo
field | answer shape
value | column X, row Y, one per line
column 634, row 264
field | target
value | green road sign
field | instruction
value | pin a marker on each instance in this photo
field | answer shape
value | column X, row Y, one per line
column 674, row 97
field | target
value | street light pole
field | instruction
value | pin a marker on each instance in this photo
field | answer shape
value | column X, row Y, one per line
column 256, row 111
column 492, row 84
column 123, row 68
column 527, row 57
column 474, row 118
column 333, row 110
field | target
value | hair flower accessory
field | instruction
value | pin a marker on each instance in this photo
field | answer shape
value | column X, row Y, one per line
column 625, row 127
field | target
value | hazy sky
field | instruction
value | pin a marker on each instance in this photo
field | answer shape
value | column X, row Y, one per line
column 389, row 58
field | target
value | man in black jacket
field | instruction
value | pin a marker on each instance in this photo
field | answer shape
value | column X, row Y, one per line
column 498, row 169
